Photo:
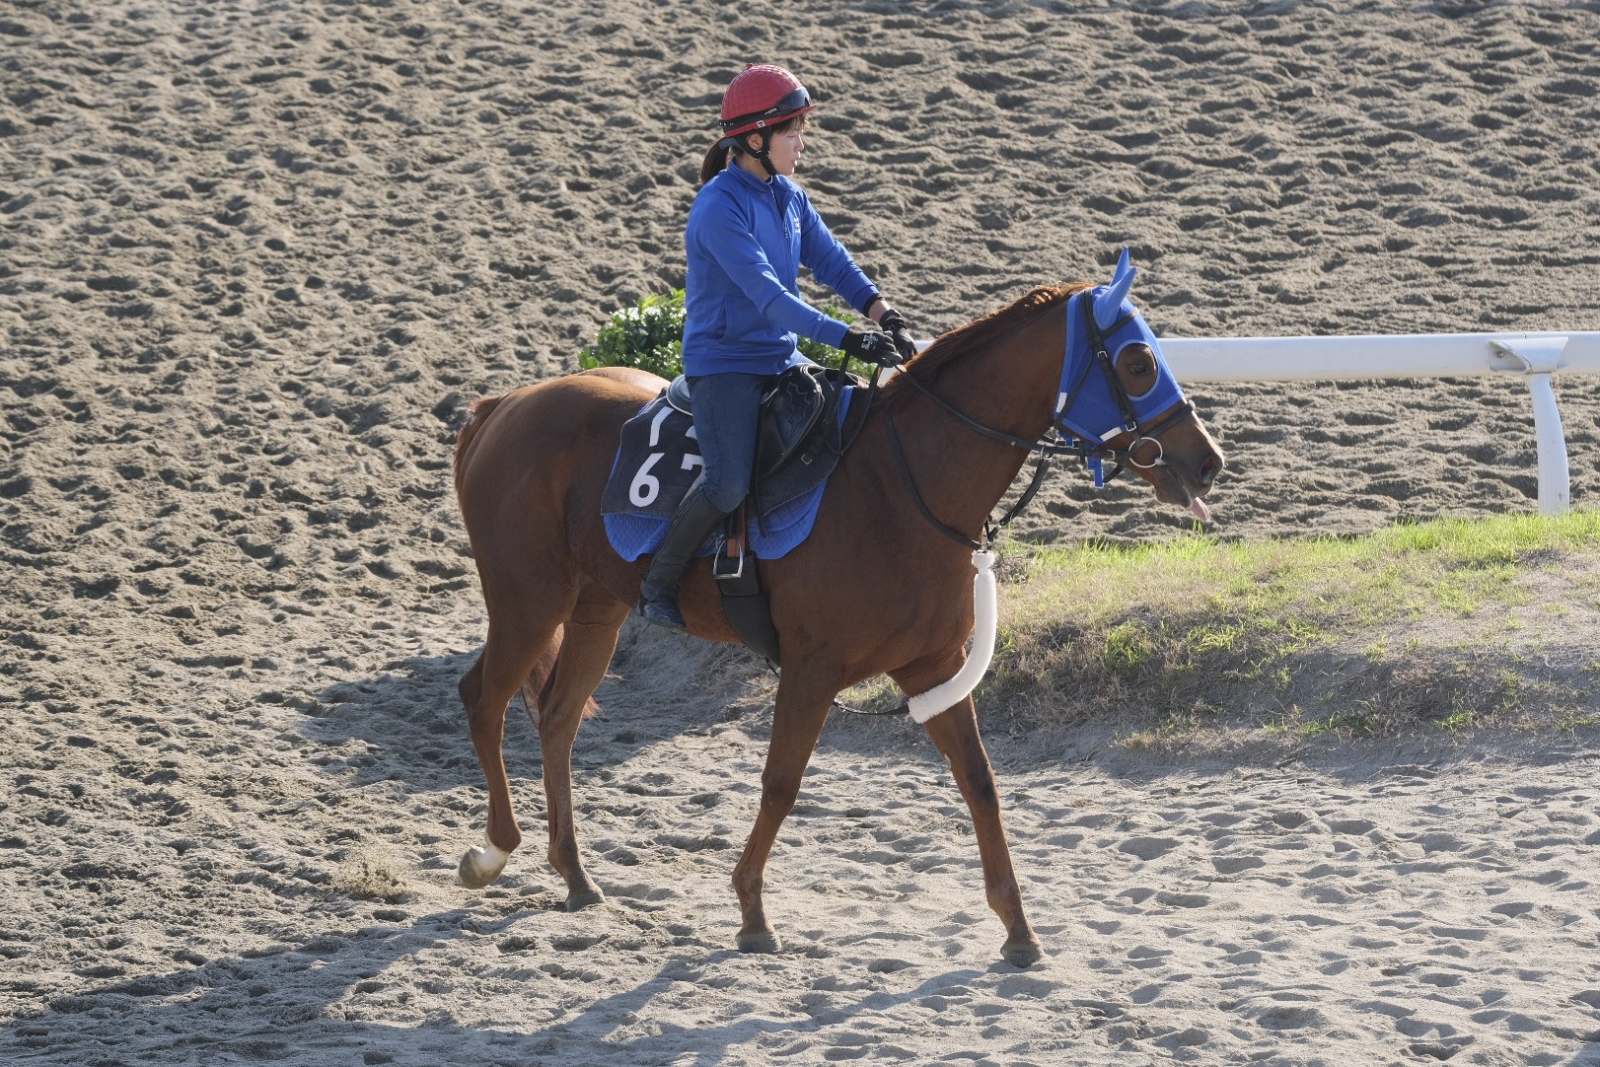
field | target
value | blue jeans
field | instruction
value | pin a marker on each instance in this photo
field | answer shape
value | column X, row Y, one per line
column 726, row 407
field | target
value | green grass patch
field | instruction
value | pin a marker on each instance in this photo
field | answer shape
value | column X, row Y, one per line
column 1351, row 636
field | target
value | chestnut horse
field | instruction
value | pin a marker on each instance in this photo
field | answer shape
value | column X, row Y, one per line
column 530, row 466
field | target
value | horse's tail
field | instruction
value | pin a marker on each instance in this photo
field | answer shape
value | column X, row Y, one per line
column 477, row 415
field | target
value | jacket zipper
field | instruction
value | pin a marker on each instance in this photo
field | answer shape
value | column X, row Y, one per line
column 783, row 229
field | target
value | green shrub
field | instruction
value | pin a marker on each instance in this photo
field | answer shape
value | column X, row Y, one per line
column 649, row 336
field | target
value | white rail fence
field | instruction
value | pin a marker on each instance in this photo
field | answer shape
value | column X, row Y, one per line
column 1536, row 356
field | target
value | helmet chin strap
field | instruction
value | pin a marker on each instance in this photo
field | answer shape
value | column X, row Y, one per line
column 764, row 156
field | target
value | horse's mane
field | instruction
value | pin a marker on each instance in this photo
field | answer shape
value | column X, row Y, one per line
column 980, row 333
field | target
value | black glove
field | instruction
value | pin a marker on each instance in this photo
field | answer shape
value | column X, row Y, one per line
column 870, row 346
column 894, row 324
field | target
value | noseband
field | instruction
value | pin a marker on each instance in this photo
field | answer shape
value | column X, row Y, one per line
column 1058, row 439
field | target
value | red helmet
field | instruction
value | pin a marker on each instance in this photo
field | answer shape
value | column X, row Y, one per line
column 760, row 96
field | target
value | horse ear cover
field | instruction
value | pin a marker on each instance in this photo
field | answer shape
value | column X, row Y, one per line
column 1108, row 302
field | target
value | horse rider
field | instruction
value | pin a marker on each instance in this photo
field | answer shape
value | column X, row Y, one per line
column 750, row 230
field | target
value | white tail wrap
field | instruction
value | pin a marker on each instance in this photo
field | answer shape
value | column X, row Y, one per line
column 985, row 609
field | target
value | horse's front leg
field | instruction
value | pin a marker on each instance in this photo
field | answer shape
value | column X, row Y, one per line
column 955, row 732
column 802, row 708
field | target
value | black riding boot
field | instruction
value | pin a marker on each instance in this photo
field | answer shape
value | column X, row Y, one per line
column 658, row 597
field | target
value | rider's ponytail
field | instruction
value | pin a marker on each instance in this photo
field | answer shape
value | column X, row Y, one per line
column 715, row 160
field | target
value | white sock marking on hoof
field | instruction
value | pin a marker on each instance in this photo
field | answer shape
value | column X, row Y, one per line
column 488, row 858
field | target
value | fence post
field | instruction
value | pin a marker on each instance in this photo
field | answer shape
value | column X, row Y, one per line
column 1539, row 357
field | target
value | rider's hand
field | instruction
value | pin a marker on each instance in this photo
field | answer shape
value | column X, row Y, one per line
column 894, row 324
column 870, row 346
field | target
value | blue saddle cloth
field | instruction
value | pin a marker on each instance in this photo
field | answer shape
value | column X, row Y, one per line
column 636, row 529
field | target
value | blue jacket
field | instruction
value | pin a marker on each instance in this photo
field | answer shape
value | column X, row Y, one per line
column 745, row 241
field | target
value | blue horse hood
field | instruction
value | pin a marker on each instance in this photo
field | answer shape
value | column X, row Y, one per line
column 1086, row 407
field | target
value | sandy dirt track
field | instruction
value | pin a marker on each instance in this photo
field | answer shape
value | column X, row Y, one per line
column 255, row 259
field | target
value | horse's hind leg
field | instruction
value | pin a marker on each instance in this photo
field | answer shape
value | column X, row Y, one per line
column 513, row 649
column 588, row 641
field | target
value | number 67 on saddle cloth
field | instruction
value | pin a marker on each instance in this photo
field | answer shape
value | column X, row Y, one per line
column 658, row 460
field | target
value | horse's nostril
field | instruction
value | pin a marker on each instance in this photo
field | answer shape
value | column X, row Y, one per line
column 1210, row 467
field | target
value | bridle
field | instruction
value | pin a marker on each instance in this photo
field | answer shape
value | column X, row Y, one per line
column 1058, row 439
column 1046, row 447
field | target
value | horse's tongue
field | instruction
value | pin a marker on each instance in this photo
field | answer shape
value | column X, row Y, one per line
column 1198, row 509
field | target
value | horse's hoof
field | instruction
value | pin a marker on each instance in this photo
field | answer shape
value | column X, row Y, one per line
column 480, row 866
column 586, row 899
column 1022, row 952
column 764, row 942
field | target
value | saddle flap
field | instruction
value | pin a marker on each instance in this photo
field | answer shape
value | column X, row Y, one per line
column 790, row 411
